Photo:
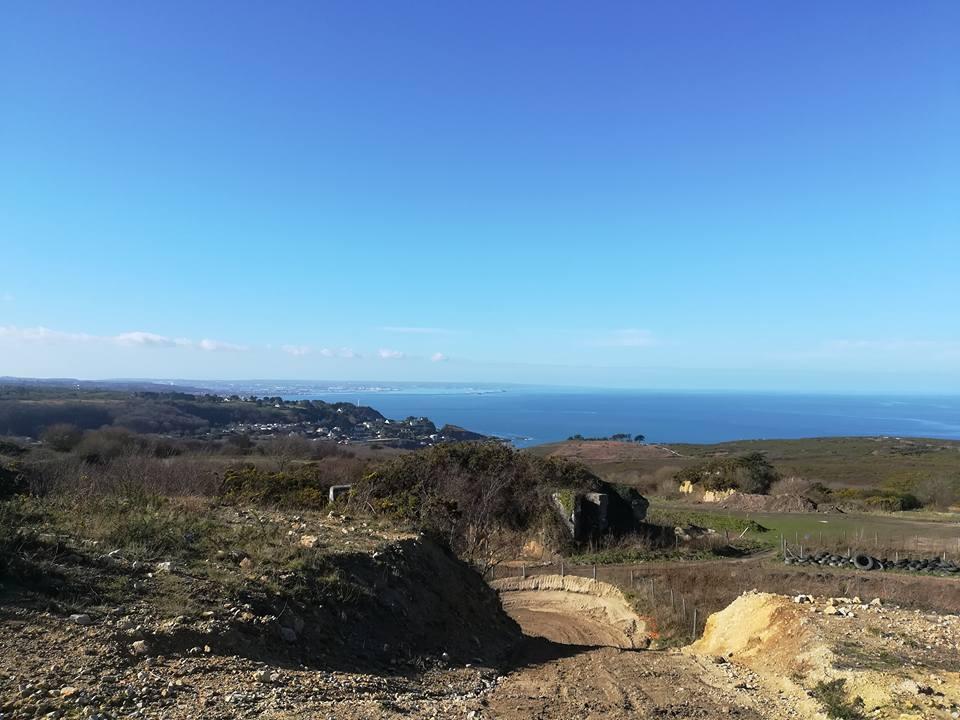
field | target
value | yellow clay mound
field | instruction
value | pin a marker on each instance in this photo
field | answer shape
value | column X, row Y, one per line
column 894, row 663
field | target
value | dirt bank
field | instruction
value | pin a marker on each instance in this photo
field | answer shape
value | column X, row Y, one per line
column 573, row 611
column 396, row 628
column 889, row 662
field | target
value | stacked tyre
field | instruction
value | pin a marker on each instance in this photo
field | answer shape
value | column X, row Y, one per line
column 867, row 563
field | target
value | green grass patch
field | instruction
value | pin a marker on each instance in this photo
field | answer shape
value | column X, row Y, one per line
column 627, row 556
column 714, row 521
column 832, row 696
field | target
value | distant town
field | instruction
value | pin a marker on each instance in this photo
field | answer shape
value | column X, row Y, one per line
column 343, row 429
column 29, row 407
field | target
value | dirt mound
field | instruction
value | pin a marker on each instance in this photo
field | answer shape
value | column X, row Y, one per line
column 573, row 611
column 405, row 620
column 886, row 661
column 768, row 503
column 760, row 628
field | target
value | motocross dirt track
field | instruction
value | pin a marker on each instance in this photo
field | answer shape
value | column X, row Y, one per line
column 570, row 665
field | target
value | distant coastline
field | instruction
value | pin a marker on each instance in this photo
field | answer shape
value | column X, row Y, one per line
column 530, row 415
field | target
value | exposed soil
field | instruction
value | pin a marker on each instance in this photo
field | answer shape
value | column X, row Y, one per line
column 399, row 627
column 420, row 635
column 893, row 663
column 788, row 503
column 574, row 664
column 573, row 611
column 51, row 665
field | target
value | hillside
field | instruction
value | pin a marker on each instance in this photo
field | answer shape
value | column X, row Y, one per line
column 835, row 461
column 28, row 410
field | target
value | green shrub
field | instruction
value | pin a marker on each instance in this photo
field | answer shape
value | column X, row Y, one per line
column 305, row 486
column 11, row 448
column 893, row 502
column 750, row 473
column 884, row 500
column 62, row 437
column 12, row 482
column 833, row 696
column 469, row 494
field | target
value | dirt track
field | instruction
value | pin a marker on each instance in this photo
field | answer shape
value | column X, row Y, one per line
column 565, row 671
column 560, row 682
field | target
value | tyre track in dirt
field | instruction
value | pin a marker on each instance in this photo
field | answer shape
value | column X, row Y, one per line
column 565, row 670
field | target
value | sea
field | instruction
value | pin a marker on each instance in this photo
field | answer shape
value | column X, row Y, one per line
column 529, row 415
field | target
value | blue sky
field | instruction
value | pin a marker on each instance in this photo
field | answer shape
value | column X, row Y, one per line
column 662, row 194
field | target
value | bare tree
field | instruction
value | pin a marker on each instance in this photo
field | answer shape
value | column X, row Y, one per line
column 939, row 492
column 284, row 449
column 62, row 437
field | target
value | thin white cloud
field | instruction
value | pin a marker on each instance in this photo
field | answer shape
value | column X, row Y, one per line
column 627, row 338
column 40, row 334
column 7, row 297
column 406, row 330
column 387, row 354
column 147, row 339
column 344, row 352
column 295, row 350
column 438, row 357
column 132, row 339
column 219, row 346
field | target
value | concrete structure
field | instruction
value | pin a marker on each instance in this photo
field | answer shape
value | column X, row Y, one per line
column 338, row 490
column 584, row 514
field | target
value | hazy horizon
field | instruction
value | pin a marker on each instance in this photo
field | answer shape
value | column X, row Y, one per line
column 262, row 385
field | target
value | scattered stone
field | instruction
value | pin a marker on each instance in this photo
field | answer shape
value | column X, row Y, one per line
column 81, row 619
column 140, row 647
column 164, row 567
column 309, row 541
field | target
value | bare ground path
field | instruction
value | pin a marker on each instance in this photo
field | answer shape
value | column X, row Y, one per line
column 564, row 670
column 551, row 682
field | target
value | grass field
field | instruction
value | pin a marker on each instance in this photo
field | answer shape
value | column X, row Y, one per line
column 836, row 461
column 868, row 532
column 847, row 461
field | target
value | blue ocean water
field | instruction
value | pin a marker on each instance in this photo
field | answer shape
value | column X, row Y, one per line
column 533, row 416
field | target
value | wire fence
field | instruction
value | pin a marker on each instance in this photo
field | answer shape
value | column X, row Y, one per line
column 873, row 543
column 672, row 614
column 677, row 605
